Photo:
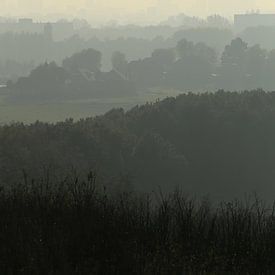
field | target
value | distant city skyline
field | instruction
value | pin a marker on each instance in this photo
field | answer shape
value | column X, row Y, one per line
column 125, row 10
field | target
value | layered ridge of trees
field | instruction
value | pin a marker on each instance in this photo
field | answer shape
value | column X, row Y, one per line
column 220, row 144
column 198, row 67
column 135, row 41
column 28, row 50
column 80, row 76
column 188, row 66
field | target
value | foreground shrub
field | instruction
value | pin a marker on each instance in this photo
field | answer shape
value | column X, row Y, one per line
column 74, row 227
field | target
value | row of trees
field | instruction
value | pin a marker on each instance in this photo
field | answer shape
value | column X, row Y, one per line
column 220, row 144
column 188, row 66
column 197, row 66
column 80, row 76
column 27, row 48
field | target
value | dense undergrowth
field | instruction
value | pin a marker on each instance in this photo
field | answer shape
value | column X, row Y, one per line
column 75, row 227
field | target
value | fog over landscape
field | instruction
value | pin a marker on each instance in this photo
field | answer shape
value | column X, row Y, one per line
column 130, row 11
column 137, row 137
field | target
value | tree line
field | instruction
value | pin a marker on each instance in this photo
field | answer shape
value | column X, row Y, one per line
column 196, row 66
column 135, row 42
column 220, row 144
column 187, row 67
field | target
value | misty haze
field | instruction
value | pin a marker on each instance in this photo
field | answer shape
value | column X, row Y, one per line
column 137, row 137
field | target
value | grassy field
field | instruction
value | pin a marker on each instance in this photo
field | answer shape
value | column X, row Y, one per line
column 58, row 111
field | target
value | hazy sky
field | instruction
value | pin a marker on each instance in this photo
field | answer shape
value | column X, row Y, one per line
column 104, row 10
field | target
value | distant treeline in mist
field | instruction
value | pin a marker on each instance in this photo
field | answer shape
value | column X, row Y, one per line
column 21, row 52
column 220, row 144
column 187, row 67
column 79, row 77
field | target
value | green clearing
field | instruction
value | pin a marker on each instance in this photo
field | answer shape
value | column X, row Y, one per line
column 58, row 111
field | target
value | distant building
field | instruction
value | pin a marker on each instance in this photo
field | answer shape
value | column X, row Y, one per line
column 58, row 30
column 243, row 21
column 25, row 21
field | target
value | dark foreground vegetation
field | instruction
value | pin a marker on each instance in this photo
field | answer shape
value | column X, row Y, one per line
column 75, row 227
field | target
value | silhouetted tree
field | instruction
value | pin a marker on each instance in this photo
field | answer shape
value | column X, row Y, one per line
column 119, row 62
column 232, row 73
column 218, row 21
column 255, row 67
column 89, row 60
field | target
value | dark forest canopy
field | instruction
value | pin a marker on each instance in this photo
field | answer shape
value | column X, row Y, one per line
column 220, row 144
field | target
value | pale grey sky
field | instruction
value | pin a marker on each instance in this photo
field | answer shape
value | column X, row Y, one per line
column 104, row 10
